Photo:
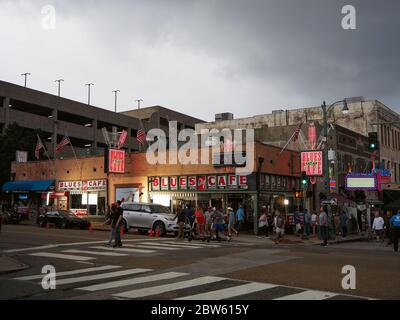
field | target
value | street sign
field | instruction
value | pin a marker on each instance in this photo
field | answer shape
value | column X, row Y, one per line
column 312, row 163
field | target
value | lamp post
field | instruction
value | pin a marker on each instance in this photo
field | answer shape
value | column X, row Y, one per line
column 89, row 85
column 26, row 74
column 59, row 86
column 257, row 207
column 138, row 102
column 116, row 93
column 326, row 111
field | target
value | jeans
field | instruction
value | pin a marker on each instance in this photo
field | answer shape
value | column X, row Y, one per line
column 307, row 229
column 112, row 235
column 118, row 235
column 240, row 222
column 324, row 234
column 344, row 231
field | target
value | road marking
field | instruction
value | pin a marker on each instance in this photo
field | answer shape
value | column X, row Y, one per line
column 32, row 248
column 168, row 245
column 193, row 244
column 308, row 295
column 127, row 282
column 61, row 256
column 230, row 292
column 144, row 246
column 67, row 273
column 144, row 292
column 111, row 254
column 102, row 276
column 125, row 250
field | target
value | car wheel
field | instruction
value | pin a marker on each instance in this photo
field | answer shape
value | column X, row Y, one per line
column 64, row 224
column 160, row 227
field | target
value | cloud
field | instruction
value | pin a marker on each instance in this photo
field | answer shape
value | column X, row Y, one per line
column 205, row 57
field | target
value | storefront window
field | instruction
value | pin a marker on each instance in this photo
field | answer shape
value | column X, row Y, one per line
column 76, row 202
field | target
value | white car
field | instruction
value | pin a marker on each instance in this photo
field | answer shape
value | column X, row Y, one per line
column 146, row 216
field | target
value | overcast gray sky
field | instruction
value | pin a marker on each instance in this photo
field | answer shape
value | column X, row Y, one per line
column 202, row 57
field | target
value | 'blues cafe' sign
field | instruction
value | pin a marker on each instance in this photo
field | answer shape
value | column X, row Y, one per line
column 199, row 182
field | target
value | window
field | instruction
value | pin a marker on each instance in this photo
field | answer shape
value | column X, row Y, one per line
column 146, row 208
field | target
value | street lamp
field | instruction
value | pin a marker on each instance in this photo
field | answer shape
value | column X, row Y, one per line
column 26, row 74
column 89, row 85
column 59, row 85
column 115, row 97
column 326, row 110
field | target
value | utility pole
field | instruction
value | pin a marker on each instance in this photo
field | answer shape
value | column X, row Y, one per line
column 59, row 86
column 89, row 85
column 138, row 102
column 26, row 74
column 116, row 93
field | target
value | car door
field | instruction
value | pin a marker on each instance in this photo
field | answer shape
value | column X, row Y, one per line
column 146, row 216
column 132, row 214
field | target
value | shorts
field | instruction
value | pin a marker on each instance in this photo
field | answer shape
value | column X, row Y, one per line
column 219, row 227
column 280, row 231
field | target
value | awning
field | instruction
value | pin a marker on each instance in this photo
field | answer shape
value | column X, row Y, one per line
column 36, row 185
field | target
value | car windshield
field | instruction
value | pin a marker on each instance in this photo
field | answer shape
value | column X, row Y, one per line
column 64, row 213
column 160, row 209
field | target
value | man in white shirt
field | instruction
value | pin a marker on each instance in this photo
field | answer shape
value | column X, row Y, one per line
column 378, row 226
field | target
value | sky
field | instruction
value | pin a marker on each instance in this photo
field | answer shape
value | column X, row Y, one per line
column 247, row 57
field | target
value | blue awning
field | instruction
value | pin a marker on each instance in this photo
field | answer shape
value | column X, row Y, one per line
column 36, row 185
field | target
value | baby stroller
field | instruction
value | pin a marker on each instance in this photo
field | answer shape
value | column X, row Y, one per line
column 188, row 230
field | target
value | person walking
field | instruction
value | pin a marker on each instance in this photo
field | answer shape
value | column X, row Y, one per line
column 218, row 223
column 180, row 215
column 314, row 223
column 307, row 223
column 263, row 223
column 377, row 227
column 323, row 225
column 189, row 214
column 395, row 224
column 343, row 220
column 388, row 227
column 118, row 222
column 279, row 226
column 297, row 223
column 208, row 221
column 231, row 222
column 200, row 221
column 109, row 221
column 240, row 218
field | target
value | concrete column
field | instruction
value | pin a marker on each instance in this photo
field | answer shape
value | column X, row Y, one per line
column 6, row 103
column 55, row 131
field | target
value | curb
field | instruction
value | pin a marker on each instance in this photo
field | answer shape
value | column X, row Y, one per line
column 20, row 266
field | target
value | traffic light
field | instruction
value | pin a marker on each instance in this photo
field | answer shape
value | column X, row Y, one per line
column 304, row 179
column 372, row 141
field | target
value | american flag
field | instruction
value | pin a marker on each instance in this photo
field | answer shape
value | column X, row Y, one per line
column 296, row 133
column 39, row 145
column 63, row 143
column 141, row 136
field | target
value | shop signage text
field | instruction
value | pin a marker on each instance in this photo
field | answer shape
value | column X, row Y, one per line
column 199, row 183
column 89, row 185
column 116, row 161
column 311, row 163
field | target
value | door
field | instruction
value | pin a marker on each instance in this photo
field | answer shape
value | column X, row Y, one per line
column 146, row 218
column 132, row 214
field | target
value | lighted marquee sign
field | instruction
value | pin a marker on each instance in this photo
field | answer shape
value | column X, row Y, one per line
column 312, row 163
column 199, row 183
column 88, row 185
column 361, row 181
column 116, row 161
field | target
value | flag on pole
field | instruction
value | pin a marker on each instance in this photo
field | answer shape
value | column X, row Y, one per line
column 296, row 133
column 65, row 141
column 39, row 146
column 122, row 139
column 141, row 134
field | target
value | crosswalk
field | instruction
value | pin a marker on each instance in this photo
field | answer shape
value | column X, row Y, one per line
column 89, row 251
column 140, row 283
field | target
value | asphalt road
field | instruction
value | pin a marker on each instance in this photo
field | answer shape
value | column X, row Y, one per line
column 163, row 268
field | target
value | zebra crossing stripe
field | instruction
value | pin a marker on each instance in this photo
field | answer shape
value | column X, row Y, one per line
column 138, row 280
column 61, row 256
column 145, row 246
column 193, row 244
column 230, row 292
column 144, row 292
column 309, row 295
column 111, row 254
column 177, row 245
column 102, row 276
column 124, row 250
column 67, row 273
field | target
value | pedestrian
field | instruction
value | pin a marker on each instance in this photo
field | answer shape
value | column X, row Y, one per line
column 307, row 223
column 240, row 218
column 200, row 223
column 231, row 222
column 323, row 225
column 180, row 216
column 377, row 227
column 218, row 224
column 189, row 214
column 297, row 222
column 395, row 224
column 208, row 221
column 388, row 227
column 117, row 222
column 343, row 220
column 279, row 226
column 262, row 225
column 314, row 223
column 110, row 222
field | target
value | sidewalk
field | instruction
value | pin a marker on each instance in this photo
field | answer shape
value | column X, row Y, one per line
column 8, row 265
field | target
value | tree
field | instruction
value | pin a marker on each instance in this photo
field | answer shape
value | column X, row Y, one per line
column 16, row 138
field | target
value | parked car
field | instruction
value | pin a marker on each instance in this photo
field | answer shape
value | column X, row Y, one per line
column 63, row 219
column 146, row 216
